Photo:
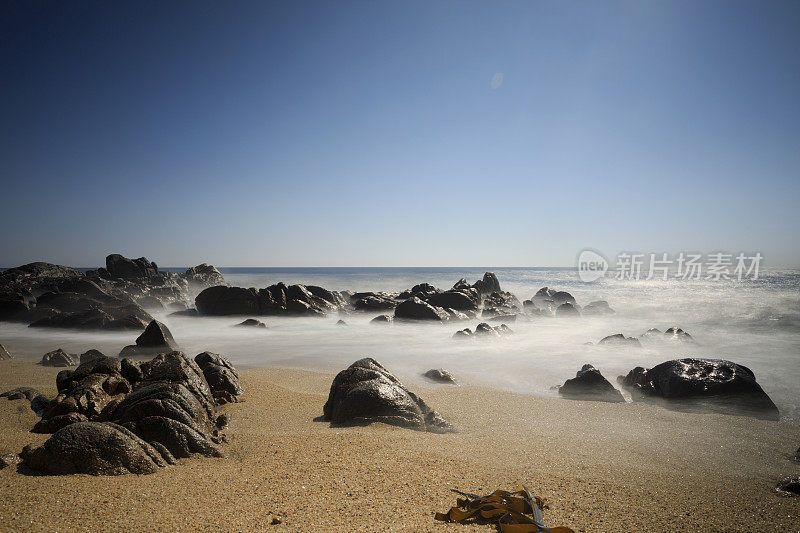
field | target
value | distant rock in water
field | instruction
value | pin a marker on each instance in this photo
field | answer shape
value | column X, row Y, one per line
column 440, row 376
column 620, row 340
column 416, row 309
column 598, row 307
column 119, row 266
column 341, row 322
column 677, row 334
column 58, row 358
column 4, row 353
column 202, row 276
column 710, row 385
column 589, row 384
column 251, row 323
column 156, row 338
column 382, row 320
column 567, row 310
column 483, row 330
column 278, row 299
column 366, row 392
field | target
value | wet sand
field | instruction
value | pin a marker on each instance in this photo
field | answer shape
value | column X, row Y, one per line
column 602, row 467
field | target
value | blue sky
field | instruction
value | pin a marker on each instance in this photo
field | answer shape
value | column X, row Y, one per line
column 371, row 133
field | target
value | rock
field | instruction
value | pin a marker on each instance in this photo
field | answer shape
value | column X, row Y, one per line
column 4, row 353
column 373, row 302
column 151, row 303
column 485, row 330
column 176, row 367
column 460, row 300
column 223, row 301
column 789, row 486
column 251, row 323
column 599, row 307
column 452, row 314
column 441, row 376
column 39, row 404
column 567, row 310
column 58, row 358
column 341, row 322
column 487, row 285
column 620, row 340
column 423, row 291
column 219, row 373
column 96, row 448
column 91, row 355
column 203, row 276
column 9, row 459
column 21, row 393
column 416, row 309
column 463, row 334
column 652, row 333
column 797, row 455
column 185, row 312
column 366, row 392
column 382, row 320
column 119, row 266
column 156, row 338
column 589, row 384
column 711, row 385
column 677, row 334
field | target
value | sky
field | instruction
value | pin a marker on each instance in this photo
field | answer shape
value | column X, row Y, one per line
column 397, row 133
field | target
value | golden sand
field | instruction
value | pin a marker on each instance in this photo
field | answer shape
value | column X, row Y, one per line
column 602, row 467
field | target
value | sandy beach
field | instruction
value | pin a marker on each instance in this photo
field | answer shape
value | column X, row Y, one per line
column 601, row 467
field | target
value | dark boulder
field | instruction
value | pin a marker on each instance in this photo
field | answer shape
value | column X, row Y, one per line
column 712, row 385
column 94, row 448
column 460, row 300
column 156, row 338
column 176, row 367
column 589, row 384
column 440, row 376
column 220, row 375
column 251, row 323
column 118, row 266
column 620, row 340
column 58, row 358
column 567, row 310
column 91, row 355
column 789, row 486
column 599, row 307
column 416, row 309
column 487, row 285
column 186, row 312
column 373, row 302
column 422, row 291
column 4, row 355
column 223, row 301
column 366, row 392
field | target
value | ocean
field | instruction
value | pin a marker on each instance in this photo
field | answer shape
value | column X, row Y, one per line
column 755, row 323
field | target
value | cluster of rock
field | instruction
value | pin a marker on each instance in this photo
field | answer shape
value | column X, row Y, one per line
column 483, row 330
column 278, row 299
column 673, row 334
column 703, row 385
column 112, row 298
column 366, row 392
column 117, row 416
column 551, row 302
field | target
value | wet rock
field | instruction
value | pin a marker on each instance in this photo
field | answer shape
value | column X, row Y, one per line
column 224, row 301
column 4, row 353
column 598, row 307
column 589, row 384
column 39, row 404
column 710, row 385
column 620, row 340
column 97, row 448
column 440, row 376
column 9, row 459
column 567, row 310
column 58, row 358
column 156, row 338
column 677, row 334
column 452, row 314
column 416, row 309
column 203, row 276
column 220, row 374
column 251, row 323
column 382, row 320
column 423, row 291
column 180, row 439
column 91, row 355
column 789, row 486
column 366, row 392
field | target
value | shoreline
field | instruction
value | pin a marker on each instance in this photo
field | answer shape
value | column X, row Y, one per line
column 602, row 467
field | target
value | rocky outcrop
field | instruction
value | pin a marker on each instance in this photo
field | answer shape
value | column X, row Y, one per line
column 416, row 309
column 620, row 340
column 221, row 376
column 458, row 299
column 366, row 392
column 440, row 375
column 156, row 338
column 119, row 266
column 58, row 358
column 487, row 285
column 711, row 385
column 373, row 301
column 589, row 384
column 278, row 299
column 97, row 448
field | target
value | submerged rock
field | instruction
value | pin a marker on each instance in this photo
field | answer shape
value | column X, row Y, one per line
column 712, row 385
column 440, row 375
column 251, row 323
column 96, row 448
column 589, row 384
column 58, row 358
column 382, row 320
column 567, row 310
column 341, row 322
column 366, row 392
column 620, row 340
column 677, row 334
column 598, row 307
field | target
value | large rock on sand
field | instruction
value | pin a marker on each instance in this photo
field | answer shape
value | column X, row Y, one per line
column 712, row 385
column 366, row 392
column 95, row 448
column 589, row 384
column 221, row 376
column 416, row 309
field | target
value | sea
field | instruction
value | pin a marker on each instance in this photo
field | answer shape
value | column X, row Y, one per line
column 753, row 322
